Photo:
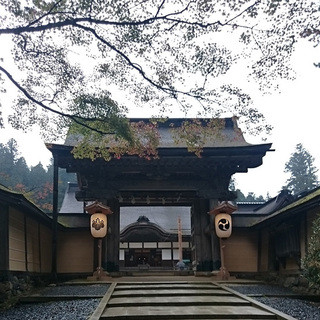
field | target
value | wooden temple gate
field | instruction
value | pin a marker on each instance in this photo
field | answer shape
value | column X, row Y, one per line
column 177, row 178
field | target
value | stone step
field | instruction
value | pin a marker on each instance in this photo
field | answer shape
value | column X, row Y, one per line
column 191, row 312
column 169, row 292
column 166, row 286
column 177, row 301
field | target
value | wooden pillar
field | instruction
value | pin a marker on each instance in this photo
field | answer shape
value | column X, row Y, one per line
column 110, row 256
column 55, row 217
column 201, row 242
column 180, row 239
column 4, row 241
column 215, row 242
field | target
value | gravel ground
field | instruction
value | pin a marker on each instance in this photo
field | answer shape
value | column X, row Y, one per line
column 59, row 310
column 261, row 289
column 299, row 309
column 76, row 290
column 82, row 309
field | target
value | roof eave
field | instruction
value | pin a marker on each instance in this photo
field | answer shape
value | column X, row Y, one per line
column 308, row 202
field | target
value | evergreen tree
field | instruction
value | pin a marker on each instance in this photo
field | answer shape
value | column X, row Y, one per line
column 20, row 173
column 240, row 196
column 35, row 183
column 37, row 176
column 302, row 171
column 251, row 197
column 8, row 159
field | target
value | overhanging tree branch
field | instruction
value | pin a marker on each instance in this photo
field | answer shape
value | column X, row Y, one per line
column 167, row 53
column 77, row 119
column 30, row 28
column 173, row 92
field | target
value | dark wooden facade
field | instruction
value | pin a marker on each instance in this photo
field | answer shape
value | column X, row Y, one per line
column 284, row 234
column 177, row 177
column 25, row 236
column 254, row 246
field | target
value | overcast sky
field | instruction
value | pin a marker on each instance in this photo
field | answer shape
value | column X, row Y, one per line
column 294, row 113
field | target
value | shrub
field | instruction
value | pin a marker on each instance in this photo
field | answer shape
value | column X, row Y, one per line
column 311, row 262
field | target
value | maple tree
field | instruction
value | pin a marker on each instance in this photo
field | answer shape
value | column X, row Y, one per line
column 74, row 59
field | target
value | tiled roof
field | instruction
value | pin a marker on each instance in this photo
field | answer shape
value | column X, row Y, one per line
column 4, row 188
column 229, row 135
column 69, row 203
column 301, row 201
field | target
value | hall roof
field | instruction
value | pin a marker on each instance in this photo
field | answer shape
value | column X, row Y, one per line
column 249, row 214
column 299, row 204
column 143, row 229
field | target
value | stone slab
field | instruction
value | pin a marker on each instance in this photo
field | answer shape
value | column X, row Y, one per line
column 186, row 300
column 201, row 311
column 169, row 292
column 167, row 285
column 172, row 301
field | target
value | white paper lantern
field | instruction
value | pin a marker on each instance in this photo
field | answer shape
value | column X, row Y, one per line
column 98, row 225
column 223, row 225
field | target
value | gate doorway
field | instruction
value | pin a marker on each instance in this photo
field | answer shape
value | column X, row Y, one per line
column 149, row 236
column 175, row 177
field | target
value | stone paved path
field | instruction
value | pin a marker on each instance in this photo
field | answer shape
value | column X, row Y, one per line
column 179, row 300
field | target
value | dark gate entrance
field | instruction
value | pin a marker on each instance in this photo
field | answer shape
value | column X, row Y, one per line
column 177, row 177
